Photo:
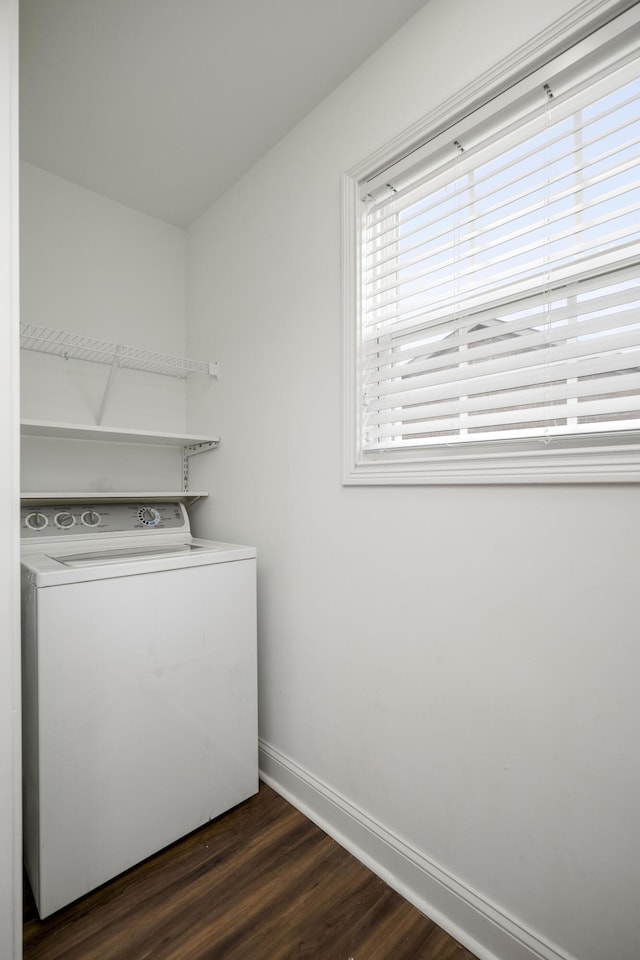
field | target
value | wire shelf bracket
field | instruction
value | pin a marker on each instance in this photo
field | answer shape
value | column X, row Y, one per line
column 190, row 450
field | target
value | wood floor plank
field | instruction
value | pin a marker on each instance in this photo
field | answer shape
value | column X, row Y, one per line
column 261, row 882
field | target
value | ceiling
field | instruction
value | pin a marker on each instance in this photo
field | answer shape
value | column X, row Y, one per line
column 163, row 104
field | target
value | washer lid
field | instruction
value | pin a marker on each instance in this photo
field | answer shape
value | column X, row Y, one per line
column 128, row 553
column 124, row 558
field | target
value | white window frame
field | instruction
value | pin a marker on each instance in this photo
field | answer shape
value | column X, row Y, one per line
column 589, row 459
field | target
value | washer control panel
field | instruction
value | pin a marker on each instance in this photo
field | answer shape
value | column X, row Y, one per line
column 40, row 521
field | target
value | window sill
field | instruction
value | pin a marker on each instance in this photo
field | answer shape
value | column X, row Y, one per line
column 619, row 464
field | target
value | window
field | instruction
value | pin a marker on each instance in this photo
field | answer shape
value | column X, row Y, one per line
column 493, row 309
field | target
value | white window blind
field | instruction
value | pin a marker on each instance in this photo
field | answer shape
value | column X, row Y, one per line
column 500, row 273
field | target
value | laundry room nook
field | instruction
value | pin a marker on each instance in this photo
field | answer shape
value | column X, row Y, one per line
column 114, row 585
column 99, row 272
column 320, row 414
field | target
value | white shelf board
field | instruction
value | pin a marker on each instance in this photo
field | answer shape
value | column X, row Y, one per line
column 94, row 496
column 77, row 431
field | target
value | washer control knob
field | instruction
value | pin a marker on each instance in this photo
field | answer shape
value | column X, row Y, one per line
column 149, row 516
column 64, row 519
column 91, row 518
column 36, row 520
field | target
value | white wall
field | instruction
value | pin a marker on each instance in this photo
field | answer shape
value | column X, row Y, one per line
column 93, row 267
column 459, row 664
column 10, row 779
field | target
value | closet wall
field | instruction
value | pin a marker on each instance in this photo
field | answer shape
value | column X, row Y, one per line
column 93, row 267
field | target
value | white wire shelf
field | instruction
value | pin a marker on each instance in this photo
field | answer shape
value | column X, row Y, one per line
column 70, row 346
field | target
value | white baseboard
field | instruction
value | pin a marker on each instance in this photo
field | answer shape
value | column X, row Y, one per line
column 480, row 926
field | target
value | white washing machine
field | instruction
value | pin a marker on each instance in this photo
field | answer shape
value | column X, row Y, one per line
column 139, row 676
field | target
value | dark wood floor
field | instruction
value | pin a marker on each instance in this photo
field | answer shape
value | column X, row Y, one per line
column 259, row 883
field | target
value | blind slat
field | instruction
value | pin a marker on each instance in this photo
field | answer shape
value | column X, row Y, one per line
column 531, row 343
column 509, row 260
column 447, row 387
column 391, row 361
column 622, row 288
column 543, row 273
column 386, row 259
column 544, row 360
column 550, row 431
column 570, row 410
column 537, row 396
column 412, row 210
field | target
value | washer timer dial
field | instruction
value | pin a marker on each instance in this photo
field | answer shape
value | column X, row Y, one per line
column 91, row 518
column 36, row 520
column 149, row 516
column 64, row 519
